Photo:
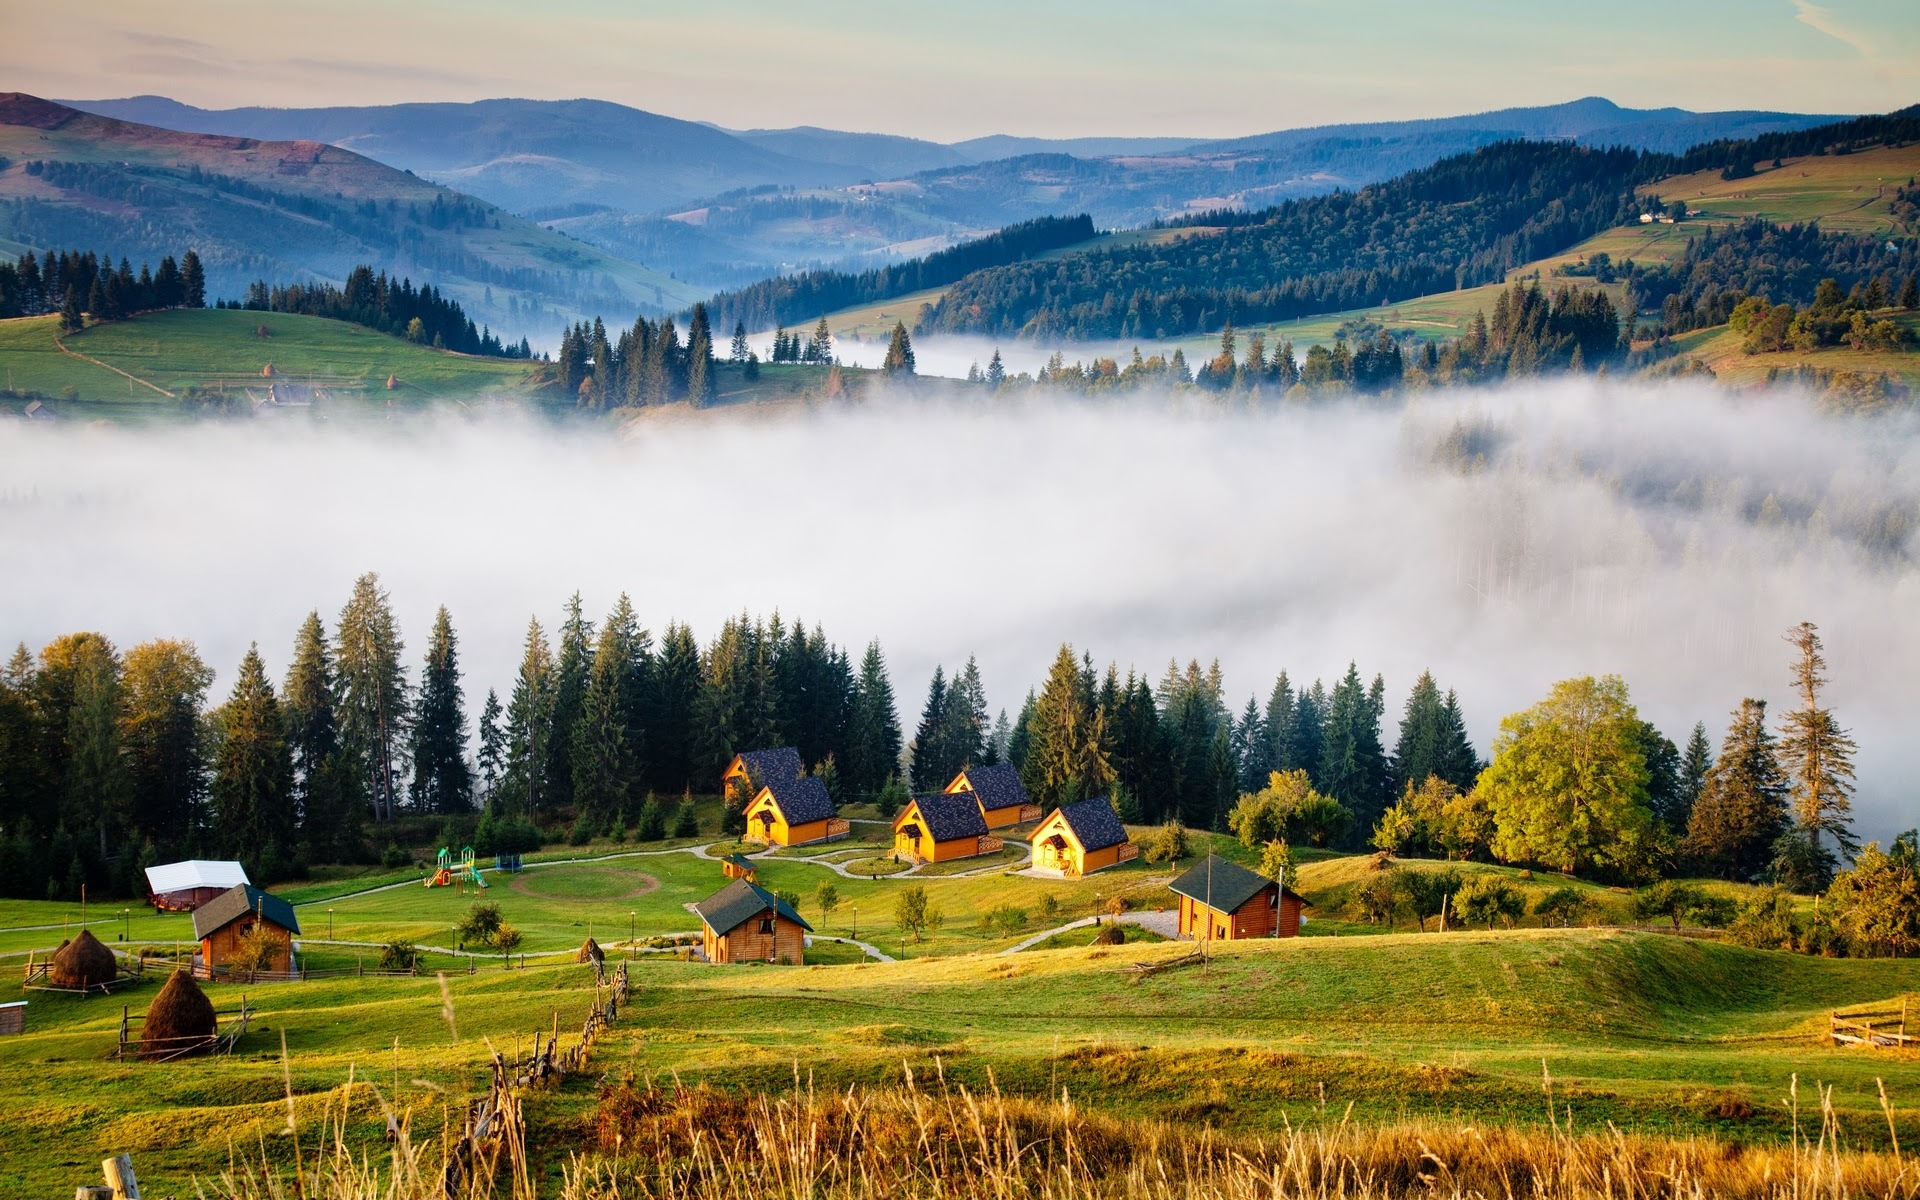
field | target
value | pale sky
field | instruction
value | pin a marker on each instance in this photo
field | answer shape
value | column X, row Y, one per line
column 1211, row 68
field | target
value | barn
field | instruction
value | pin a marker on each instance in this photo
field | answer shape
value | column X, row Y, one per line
column 185, row 886
column 1002, row 797
column 744, row 922
column 1223, row 901
column 222, row 922
column 754, row 769
column 1079, row 839
column 792, row 813
column 942, row 827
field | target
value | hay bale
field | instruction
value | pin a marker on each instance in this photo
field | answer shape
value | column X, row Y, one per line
column 82, row 963
column 590, row 952
column 179, row 1021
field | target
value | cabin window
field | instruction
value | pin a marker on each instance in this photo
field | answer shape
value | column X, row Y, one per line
column 766, row 924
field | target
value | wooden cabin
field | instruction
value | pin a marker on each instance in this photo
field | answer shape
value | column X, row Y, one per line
column 185, row 886
column 1079, row 839
column 1002, row 797
column 793, row 813
column 755, row 769
column 737, row 866
column 942, row 827
column 1223, row 901
column 222, row 922
column 744, row 922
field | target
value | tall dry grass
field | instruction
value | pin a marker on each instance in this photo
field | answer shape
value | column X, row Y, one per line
column 703, row 1143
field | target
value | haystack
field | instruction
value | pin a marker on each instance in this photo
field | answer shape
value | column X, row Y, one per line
column 393, row 382
column 179, row 1021
column 82, row 963
column 590, row 952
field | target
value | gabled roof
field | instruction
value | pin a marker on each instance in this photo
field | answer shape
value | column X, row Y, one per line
column 1094, row 824
column 738, row 860
column 772, row 766
column 998, row 787
column 194, row 873
column 739, row 902
column 1220, row 884
column 801, row 801
column 949, row 817
column 236, row 902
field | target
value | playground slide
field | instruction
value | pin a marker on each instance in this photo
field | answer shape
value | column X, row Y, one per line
column 441, row 878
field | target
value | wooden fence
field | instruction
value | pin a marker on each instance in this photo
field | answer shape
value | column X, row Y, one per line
column 35, row 978
column 228, row 1028
column 1871, row 1027
column 496, row 1116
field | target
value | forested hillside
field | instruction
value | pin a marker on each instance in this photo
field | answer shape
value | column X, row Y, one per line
column 292, row 211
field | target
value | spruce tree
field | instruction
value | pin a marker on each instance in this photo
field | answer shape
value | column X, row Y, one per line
column 442, row 781
column 493, row 747
column 996, row 370
column 899, row 360
column 928, row 759
column 1353, row 766
column 371, row 702
column 193, row 281
column 1817, row 751
column 873, row 735
column 1910, row 294
column 967, row 718
column 820, row 348
column 523, row 790
column 313, row 740
column 253, row 804
column 603, row 767
column 1282, row 715
column 739, row 342
column 1743, row 807
column 700, row 385
column 669, row 707
column 1664, row 784
column 573, row 664
column 1694, row 765
column 1253, row 748
column 1066, row 757
column 1424, row 745
column 71, row 321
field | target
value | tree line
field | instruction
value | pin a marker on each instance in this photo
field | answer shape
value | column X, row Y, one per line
column 647, row 364
column 76, row 282
column 393, row 306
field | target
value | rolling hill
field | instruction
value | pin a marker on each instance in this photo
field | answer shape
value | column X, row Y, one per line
column 288, row 211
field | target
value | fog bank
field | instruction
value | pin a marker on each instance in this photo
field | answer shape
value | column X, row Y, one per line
column 1503, row 539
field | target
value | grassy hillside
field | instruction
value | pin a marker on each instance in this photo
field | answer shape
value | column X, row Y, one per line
column 1846, row 193
column 295, row 210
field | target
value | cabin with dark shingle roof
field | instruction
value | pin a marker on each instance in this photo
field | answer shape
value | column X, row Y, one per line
column 737, row 866
column 1003, row 798
column 222, row 922
column 1079, row 839
column 1223, row 901
column 752, row 770
column 794, row 812
column 942, row 827
column 744, row 922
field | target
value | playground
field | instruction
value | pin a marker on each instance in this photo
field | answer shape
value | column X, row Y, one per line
column 458, row 874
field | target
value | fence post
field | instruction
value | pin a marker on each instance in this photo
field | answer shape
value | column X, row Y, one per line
column 119, row 1173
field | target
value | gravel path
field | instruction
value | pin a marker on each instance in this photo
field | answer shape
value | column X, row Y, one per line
column 1163, row 921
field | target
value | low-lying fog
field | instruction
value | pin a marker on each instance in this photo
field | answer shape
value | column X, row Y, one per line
column 1503, row 539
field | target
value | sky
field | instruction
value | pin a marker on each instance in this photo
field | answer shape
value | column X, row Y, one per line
column 1057, row 68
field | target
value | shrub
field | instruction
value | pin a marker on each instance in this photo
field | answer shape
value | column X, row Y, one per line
column 393, row 857
column 480, row 923
column 1489, row 899
column 584, row 829
column 399, row 956
column 1377, row 896
column 619, row 831
column 686, row 820
column 1167, row 844
column 1765, row 921
column 258, row 949
column 505, row 938
column 1562, row 906
column 892, row 798
column 1004, row 919
column 1875, row 907
column 1677, row 901
column 1111, row 933
column 1426, row 893
column 1050, row 905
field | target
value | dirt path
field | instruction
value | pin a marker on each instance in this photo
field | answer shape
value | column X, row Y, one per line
column 87, row 358
column 1163, row 921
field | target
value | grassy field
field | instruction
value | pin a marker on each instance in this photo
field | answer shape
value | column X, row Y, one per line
column 1720, row 349
column 1850, row 193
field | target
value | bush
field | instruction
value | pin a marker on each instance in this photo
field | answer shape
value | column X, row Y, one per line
column 892, row 798
column 393, row 857
column 1376, row 898
column 258, row 949
column 1004, row 919
column 480, row 923
column 1426, row 893
column 1562, row 906
column 1765, row 921
column 400, row 956
column 1167, row 844
column 1677, row 901
column 585, row 828
column 1489, row 899
column 505, row 938
column 1049, row 905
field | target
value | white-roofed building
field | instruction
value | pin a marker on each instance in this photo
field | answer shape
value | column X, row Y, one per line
column 185, row 886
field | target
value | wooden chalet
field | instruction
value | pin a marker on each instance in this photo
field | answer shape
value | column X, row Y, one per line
column 942, row 827
column 744, row 922
column 1223, row 901
column 185, row 886
column 1079, row 839
column 737, row 866
column 755, row 769
column 222, row 922
column 792, row 813
column 1002, row 797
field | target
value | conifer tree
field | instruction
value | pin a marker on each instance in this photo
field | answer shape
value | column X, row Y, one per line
column 1253, row 748
column 574, row 661
column 320, row 786
column 928, row 760
column 1817, row 751
column 899, row 360
column 1743, row 807
column 873, row 733
column 193, row 281
column 442, row 781
column 740, row 342
column 523, row 789
column 1663, row 775
column 1066, row 757
column 1353, row 766
column 996, row 370
column 98, row 792
column 493, row 747
column 371, row 703
column 603, row 766
column 669, row 722
column 71, row 321
column 1694, row 765
column 820, row 348
column 253, row 803
column 700, row 385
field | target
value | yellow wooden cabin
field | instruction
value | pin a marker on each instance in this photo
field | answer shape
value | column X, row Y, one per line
column 1223, row 901
column 1079, row 839
column 1002, row 797
column 754, row 769
column 940, row 828
column 794, row 813
column 744, row 922
column 738, row 866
